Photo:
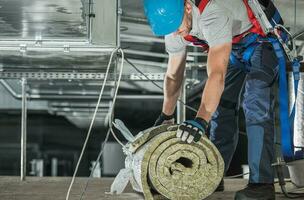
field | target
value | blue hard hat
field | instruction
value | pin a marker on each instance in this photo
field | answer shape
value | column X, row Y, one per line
column 164, row 16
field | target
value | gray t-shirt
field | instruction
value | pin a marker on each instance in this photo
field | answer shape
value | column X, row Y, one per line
column 219, row 22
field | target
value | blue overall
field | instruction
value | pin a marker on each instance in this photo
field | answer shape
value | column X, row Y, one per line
column 253, row 85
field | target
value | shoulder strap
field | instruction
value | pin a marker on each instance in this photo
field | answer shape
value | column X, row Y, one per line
column 197, row 42
column 201, row 4
column 256, row 28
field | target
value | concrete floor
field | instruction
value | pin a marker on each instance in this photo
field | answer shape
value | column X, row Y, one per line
column 51, row 188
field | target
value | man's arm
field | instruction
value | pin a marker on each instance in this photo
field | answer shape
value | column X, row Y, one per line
column 218, row 58
column 173, row 81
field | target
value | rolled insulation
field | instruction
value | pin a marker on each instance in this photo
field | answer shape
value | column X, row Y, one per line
column 164, row 167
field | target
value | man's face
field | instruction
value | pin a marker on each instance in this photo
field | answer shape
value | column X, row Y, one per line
column 186, row 25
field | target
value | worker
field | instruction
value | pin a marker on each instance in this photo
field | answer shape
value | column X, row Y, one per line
column 222, row 26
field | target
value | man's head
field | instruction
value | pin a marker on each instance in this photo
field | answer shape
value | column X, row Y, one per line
column 168, row 16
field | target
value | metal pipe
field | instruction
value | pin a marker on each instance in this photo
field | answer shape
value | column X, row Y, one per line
column 135, row 38
column 149, row 97
column 63, row 48
column 181, row 108
column 119, row 13
column 47, row 76
column 298, row 34
column 146, row 53
column 71, row 97
column 90, row 22
column 295, row 17
column 163, row 55
column 135, row 19
column 149, row 63
column 66, row 97
column 77, row 110
column 78, row 104
column 163, row 64
column 53, row 45
column 71, row 92
column 23, row 130
column 54, row 168
column 18, row 41
column 10, row 89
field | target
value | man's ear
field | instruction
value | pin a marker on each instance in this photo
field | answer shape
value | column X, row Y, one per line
column 188, row 7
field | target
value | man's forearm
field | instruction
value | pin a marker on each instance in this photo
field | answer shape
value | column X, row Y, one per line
column 214, row 88
column 218, row 58
column 172, row 87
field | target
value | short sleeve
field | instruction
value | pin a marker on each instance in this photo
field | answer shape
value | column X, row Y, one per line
column 216, row 25
column 175, row 44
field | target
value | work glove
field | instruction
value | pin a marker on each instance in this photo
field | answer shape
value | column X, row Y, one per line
column 164, row 119
column 192, row 130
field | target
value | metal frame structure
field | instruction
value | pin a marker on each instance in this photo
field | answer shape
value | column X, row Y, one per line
column 23, row 130
column 55, row 45
column 50, row 45
column 22, row 46
column 59, row 75
column 27, row 76
column 181, row 108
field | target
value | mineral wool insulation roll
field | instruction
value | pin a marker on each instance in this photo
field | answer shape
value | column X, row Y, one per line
column 299, row 116
column 161, row 166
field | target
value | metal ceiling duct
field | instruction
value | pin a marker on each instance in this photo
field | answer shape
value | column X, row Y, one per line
column 55, row 38
column 39, row 19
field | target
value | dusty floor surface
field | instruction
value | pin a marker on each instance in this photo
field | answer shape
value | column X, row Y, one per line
column 51, row 188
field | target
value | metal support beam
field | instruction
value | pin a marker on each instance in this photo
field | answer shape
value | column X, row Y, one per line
column 60, row 48
column 23, row 130
column 69, row 97
column 35, row 75
column 181, row 108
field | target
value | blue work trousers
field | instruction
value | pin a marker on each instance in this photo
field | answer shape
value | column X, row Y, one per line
column 252, row 88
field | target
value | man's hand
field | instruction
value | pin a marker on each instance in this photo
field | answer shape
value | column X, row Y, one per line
column 164, row 119
column 192, row 130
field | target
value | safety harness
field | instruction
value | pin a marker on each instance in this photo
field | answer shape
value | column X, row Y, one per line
column 278, row 38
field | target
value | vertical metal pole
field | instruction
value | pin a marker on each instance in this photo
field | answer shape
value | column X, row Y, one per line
column 119, row 13
column 89, row 20
column 54, row 170
column 295, row 17
column 181, row 108
column 23, row 130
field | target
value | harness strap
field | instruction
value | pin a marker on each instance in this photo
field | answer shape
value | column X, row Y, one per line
column 271, row 12
column 286, row 119
column 286, row 131
column 201, row 4
column 256, row 28
column 250, row 43
column 197, row 42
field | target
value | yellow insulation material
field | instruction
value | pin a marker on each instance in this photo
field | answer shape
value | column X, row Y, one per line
column 164, row 167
